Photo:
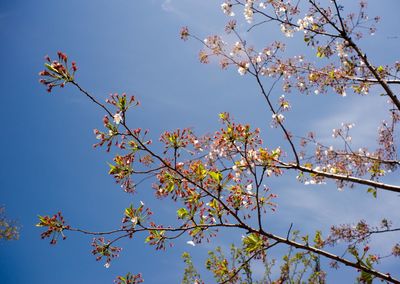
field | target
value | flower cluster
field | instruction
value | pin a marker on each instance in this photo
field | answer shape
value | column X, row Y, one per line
column 346, row 161
column 135, row 216
column 9, row 230
column 57, row 72
column 122, row 171
column 178, row 139
column 277, row 119
column 122, row 103
column 396, row 250
column 102, row 248
column 129, row 279
column 184, row 33
column 387, row 140
column 157, row 237
column 340, row 77
column 304, row 23
column 227, row 9
column 55, row 226
column 359, row 232
column 111, row 122
column 248, row 11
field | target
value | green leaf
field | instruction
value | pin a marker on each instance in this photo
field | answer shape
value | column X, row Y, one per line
column 195, row 231
column 213, row 204
column 170, row 187
column 182, row 213
column 113, row 169
column 50, row 68
column 129, row 211
column 41, row 221
column 366, row 277
column 318, row 241
column 252, row 242
column 373, row 191
column 217, row 176
column 308, row 166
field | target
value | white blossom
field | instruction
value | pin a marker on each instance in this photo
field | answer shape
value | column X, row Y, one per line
column 249, row 188
column 305, row 22
column 278, row 117
column 134, row 221
column 118, row 118
column 248, row 11
column 340, row 50
column 267, row 52
column 286, row 30
column 227, row 9
column 243, row 68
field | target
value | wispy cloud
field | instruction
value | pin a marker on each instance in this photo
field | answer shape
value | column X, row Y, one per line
column 167, row 6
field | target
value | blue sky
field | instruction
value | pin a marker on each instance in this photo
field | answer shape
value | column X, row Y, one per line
column 49, row 164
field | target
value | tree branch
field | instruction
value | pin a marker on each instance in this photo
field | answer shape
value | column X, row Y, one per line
column 371, row 183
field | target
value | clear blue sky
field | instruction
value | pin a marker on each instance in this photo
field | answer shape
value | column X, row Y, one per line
column 47, row 160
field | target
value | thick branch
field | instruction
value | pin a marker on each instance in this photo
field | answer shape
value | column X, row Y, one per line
column 277, row 238
column 381, row 81
column 357, row 265
column 368, row 182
